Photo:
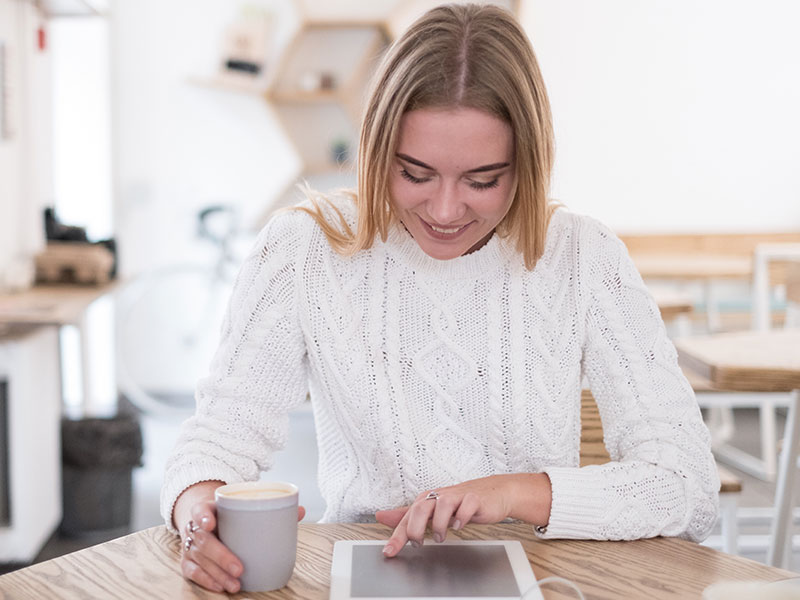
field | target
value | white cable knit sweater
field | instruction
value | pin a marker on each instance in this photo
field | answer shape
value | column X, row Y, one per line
column 424, row 373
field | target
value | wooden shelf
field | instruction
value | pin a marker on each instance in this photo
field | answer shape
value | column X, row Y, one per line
column 50, row 304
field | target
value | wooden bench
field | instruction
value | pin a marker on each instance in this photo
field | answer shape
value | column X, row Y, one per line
column 593, row 452
column 724, row 255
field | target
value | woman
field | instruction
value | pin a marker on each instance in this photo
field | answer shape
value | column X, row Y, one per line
column 443, row 320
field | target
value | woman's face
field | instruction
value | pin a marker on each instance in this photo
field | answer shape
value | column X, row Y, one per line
column 452, row 178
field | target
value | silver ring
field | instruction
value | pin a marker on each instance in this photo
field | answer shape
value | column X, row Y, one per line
column 432, row 495
column 187, row 544
column 191, row 527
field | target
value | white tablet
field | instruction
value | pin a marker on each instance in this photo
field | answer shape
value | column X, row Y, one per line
column 458, row 569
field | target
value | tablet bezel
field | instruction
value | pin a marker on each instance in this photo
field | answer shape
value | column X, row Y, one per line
column 342, row 563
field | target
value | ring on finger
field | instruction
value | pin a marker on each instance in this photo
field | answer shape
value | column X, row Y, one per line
column 191, row 527
column 432, row 495
column 188, row 543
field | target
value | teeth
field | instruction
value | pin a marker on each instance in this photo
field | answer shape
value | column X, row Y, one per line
column 442, row 230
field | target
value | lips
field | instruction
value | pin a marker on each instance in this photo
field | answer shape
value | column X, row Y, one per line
column 444, row 233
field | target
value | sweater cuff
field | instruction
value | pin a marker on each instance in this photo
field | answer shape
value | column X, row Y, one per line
column 576, row 509
column 181, row 477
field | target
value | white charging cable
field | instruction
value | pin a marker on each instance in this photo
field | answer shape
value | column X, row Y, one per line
column 553, row 579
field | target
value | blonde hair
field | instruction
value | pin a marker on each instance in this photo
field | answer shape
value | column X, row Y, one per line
column 455, row 56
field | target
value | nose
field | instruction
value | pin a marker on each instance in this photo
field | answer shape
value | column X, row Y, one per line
column 445, row 205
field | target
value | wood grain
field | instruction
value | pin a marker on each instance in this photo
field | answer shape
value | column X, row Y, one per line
column 745, row 361
column 50, row 304
column 146, row 565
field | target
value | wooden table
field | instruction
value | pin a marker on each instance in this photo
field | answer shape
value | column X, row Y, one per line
column 146, row 565
column 55, row 305
column 761, row 362
column 50, row 304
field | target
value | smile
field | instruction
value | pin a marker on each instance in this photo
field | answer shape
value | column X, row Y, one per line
column 444, row 233
column 443, row 230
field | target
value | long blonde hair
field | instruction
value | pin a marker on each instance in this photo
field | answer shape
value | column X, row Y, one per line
column 456, row 55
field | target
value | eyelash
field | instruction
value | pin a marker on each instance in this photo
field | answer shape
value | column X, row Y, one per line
column 475, row 185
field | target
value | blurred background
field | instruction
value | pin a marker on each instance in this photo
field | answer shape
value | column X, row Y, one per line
column 164, row 134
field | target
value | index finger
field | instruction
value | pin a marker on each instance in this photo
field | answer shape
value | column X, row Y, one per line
column 397, row 540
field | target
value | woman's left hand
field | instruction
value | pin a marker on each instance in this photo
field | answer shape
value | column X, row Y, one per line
column 486, row 500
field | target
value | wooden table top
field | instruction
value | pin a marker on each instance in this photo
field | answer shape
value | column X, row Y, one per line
column 146, row 565
column 693, row 266
column 745, row 361
column 50, row 304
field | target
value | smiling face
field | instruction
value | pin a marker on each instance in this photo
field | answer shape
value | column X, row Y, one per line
column 452, row 178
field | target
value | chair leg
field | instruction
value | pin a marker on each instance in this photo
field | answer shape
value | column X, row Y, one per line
column 781, row 535
column 766, row 419
column 729, row 524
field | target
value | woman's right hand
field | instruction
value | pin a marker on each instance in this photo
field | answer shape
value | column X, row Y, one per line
column 206, row 560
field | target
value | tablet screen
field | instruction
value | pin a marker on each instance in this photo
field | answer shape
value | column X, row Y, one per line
column 434, row 570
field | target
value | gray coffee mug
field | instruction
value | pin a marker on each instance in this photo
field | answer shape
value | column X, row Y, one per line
column 257, row 520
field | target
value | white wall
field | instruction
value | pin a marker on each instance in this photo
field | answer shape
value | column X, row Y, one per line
column 82, row 124
column 674, row 115
column 25, row 170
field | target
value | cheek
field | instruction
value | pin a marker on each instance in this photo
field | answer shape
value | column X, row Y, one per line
column 492, row 204
column 405, row 195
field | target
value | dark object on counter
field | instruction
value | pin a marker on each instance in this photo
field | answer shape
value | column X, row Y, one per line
column 70, row 257
column 98, row 458
column 243, row 65
column 55, row 230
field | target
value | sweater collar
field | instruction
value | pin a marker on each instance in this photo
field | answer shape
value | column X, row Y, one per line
column 495, row 254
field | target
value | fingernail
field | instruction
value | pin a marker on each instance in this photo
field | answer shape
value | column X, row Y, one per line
column 437, row 537
column 415, row 544
column 456, row 524
column 234, row 570
column 387, row 549
column 204, row 521
column 232, row 586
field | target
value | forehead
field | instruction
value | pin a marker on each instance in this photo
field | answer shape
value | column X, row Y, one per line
column 457, row 138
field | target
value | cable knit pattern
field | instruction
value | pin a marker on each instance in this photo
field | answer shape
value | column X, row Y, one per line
column 424, row 373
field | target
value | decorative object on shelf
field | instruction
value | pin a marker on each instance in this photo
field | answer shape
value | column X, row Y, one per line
column 340, row 150
column 69, row 257
column 317, row 91
column 246, row 44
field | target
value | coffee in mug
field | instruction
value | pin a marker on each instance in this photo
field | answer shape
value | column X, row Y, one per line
column 257, row 520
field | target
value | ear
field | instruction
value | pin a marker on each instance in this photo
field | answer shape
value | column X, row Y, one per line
column 391, row 517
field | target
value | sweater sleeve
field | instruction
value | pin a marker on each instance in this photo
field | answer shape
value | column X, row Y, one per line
column 258, row 373
column 662, row 478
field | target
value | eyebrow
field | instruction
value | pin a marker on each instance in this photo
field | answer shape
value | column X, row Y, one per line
column 482, row 169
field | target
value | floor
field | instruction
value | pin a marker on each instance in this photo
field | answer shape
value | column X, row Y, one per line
column 298, row 464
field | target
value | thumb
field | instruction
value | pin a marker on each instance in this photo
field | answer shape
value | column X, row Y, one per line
column 391, row 517
column 204, row 514
column 301, row 512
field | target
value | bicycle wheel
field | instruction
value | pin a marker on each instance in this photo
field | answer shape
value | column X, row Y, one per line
column 167, row 331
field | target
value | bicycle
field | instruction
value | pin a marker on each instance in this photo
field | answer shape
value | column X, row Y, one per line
column 169, row 322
